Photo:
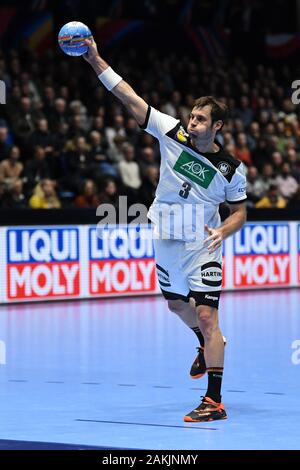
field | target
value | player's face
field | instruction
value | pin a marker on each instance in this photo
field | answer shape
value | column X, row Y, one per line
column 200, row 124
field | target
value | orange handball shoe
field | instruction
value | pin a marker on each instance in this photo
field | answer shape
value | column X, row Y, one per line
column 208, row 410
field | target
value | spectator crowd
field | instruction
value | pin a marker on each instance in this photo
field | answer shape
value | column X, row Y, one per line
column 67, row 142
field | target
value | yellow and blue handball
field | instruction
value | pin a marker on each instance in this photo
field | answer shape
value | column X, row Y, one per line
column 71, row 38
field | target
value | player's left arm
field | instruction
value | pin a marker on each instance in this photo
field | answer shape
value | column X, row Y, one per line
column 237, row 218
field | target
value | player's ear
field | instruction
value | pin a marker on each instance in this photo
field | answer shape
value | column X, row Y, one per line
column 218, row 125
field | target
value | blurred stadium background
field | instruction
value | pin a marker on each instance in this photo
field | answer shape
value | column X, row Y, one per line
column 67, row 143
column 66, row 146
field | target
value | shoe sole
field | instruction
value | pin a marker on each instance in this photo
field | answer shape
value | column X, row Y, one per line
column 187, row 419
column 197, row 376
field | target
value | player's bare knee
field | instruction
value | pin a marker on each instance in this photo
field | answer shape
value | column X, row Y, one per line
column 207, row 319
column 205, row 313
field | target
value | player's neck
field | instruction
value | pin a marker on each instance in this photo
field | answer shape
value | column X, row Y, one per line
column 205, row 146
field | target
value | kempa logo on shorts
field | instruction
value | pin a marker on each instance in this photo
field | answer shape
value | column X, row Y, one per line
column 211, row 297
column 197, row 171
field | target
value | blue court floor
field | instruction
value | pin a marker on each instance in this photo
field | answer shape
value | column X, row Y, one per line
column 115, row 374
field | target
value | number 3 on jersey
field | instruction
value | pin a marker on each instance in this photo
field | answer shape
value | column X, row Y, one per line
column 185, row 191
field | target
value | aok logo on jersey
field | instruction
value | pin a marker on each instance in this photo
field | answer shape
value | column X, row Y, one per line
column 42, row 263
column 121, row 261
column 262, row 256
column 195, row 169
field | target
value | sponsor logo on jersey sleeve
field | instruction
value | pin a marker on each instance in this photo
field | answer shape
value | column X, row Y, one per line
column 182, row 136
column 194, row 169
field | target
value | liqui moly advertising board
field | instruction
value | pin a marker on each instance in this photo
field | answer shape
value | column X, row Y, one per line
column 48, row 263
column 262, row 256
column 42, row 263
column 121, row 261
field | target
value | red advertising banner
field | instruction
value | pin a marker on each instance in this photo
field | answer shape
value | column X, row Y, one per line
column 261, row 256
column 48, row 263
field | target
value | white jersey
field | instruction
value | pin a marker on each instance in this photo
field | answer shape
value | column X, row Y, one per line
column 188, row 177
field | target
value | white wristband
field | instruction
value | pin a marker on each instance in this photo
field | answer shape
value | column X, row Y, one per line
column 109, row 78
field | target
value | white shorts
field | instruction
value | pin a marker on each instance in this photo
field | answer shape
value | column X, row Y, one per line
column 183, row 272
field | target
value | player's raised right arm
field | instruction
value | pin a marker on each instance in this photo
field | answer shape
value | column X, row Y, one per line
column 114, row 83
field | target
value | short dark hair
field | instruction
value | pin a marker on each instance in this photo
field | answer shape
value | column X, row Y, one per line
column 219, row 110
